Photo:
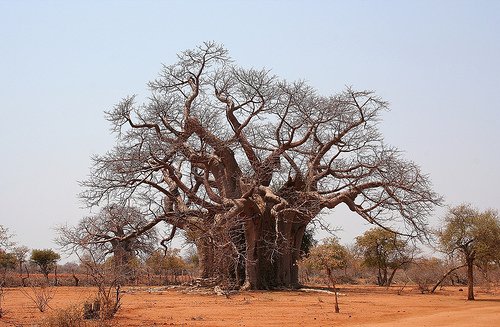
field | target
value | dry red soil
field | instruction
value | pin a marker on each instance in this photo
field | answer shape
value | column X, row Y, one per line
column 359, row 306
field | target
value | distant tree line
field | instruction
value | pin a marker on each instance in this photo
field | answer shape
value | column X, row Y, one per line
column 467, row 243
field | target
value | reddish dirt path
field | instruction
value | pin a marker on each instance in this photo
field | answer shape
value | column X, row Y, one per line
column 360, row 306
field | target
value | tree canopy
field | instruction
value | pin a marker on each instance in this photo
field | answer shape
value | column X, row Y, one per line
column 329, row 255
column 114, row 230
column 384, row 250
column 7, row 260
column 474, row 236
column 45, row 259
column 246, row 161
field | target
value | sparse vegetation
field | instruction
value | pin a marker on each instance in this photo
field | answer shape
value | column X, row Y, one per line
column 39, row 295
column 71, row 316
column 107, row 279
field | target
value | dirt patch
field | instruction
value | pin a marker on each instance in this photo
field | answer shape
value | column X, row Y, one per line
column 359, row 306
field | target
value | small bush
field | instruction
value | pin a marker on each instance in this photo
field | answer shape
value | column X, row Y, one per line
column 71, row 316
column 40, row 296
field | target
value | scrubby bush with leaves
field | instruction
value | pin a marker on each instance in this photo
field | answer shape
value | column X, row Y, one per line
column 71, row 316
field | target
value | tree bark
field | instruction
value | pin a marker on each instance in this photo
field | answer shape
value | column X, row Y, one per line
column 221, row 256
column 77, row 280
column 382, row 276
column 56, row 281
column 272, row 252
column 470, row 278
column 263, row 254
column 206, row 257
column 389, row 280
column 122, row 257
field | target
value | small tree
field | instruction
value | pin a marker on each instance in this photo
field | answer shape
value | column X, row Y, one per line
column 107, row 281
column 7, row 261
column 46, row 260
column 474, row 236
column 40, row 296
column 329, row 256
column 384, row 250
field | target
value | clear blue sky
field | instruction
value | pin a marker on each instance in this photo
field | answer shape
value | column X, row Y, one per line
column 62, row 63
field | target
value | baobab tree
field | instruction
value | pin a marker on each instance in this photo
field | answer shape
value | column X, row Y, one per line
column 245, row 161
column 120, row 231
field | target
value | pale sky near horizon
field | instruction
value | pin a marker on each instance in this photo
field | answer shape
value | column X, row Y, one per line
column 62, row 63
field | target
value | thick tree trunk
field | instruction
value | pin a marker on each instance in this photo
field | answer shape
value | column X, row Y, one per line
column 382, row 276
column 251, row 264
column 122, row 258
column 77, row 280
column 272, row 251
column 221, row 256
column 262, row 254
column 206, row 257
column 470, row 278
column 391, row 277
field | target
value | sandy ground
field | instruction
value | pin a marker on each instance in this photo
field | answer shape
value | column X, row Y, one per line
column 359, row 306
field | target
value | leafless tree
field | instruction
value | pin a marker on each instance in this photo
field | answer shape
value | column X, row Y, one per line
column 5, row 238
column 245, row 161
column 108, row 282
column 21, row 252
column 122, row 231
column 40, row 295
